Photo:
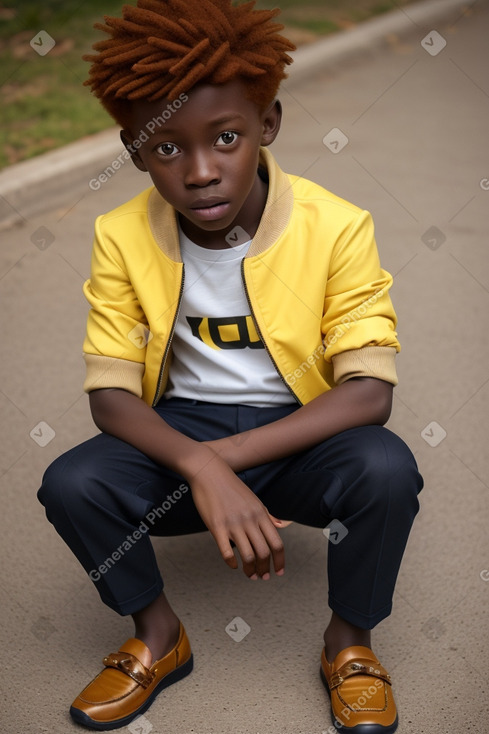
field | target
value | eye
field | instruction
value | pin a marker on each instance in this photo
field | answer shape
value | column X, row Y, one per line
column 227, row 138
column 167, row 149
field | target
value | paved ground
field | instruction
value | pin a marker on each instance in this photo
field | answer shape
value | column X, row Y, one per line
column 416, row 120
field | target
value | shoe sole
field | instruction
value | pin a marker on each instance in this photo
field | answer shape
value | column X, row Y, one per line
column 359, row 728
column 82, row 718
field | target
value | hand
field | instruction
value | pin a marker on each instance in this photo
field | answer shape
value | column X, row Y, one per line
column 228, row 448
column 232, row 512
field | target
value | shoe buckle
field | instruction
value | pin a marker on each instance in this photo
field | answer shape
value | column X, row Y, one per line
column 131, row 666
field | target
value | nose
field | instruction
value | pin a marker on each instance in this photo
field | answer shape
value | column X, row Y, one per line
column 201, row 169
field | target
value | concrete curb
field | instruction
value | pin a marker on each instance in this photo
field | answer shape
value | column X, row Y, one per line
column 414, row 19
column 54, row 179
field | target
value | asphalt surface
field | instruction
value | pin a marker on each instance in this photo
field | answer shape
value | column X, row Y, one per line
column 400, row 130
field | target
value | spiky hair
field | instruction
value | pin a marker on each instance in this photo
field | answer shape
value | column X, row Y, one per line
column 163, row 48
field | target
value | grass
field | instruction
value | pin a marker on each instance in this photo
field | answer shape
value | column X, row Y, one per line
column 43, row 102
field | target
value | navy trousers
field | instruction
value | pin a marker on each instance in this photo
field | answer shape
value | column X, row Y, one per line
column 106, row 498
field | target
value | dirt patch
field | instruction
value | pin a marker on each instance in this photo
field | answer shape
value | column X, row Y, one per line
column 14, row 92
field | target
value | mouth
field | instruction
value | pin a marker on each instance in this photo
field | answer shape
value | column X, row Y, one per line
column 210, row 208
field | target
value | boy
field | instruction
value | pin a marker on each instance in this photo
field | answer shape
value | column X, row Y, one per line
column 240, row 362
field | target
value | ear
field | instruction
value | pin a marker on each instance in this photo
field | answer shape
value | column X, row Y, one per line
column 272, row 119
column 128, row 140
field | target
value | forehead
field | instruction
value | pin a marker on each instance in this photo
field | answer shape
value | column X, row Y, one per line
column 203, row 105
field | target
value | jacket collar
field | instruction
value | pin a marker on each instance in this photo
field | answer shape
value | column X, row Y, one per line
column 275, row 218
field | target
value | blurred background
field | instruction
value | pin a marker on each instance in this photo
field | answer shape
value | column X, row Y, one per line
column 388, row 107
column 42, row 101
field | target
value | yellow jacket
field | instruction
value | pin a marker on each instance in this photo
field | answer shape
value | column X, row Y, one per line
column 317, row 293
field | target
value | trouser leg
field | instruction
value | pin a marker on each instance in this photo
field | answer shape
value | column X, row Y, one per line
column 105, row 498
column 98, row 494
column 367, row 479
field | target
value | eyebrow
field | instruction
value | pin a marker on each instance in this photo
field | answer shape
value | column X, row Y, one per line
column 233, row 117
column 228, row 118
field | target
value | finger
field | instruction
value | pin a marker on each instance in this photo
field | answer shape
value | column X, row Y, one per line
column 225, row 548
column 266, row 543
column 261, row 551
column 275, row 546
column 275, row 520
column 279, row 523
column 246, row 551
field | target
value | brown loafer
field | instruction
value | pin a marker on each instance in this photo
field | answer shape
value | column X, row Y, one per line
column 360, row 691
column 126, row 687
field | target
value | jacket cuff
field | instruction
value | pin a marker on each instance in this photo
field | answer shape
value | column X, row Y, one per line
column 108, row 372
column 376, row 362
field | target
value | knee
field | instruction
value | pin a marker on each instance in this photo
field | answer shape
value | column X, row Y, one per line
column 62, row 485
column 389, row 469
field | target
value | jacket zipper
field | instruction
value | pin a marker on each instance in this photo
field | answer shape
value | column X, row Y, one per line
column 168, row 345
column 261, row 335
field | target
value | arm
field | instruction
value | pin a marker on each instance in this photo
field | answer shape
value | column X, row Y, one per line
column 227, row 506
column 357, row 402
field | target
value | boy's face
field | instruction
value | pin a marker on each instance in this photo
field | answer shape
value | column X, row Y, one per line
column 203, row 158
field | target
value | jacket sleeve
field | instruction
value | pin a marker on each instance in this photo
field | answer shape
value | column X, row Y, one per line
column 117, row 332
column 359, row 321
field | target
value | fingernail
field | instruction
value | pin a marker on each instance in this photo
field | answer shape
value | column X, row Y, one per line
column 266, row 576
column 281, row 572
column 254, row 577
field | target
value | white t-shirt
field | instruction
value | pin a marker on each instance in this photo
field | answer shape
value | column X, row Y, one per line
column 217, row 353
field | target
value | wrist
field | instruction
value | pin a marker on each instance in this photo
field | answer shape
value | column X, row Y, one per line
column 195, row 461
column 229, row 449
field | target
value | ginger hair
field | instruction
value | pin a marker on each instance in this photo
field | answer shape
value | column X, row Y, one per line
column 163, row 48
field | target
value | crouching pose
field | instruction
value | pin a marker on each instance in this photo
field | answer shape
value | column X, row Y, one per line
column 240, row 354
